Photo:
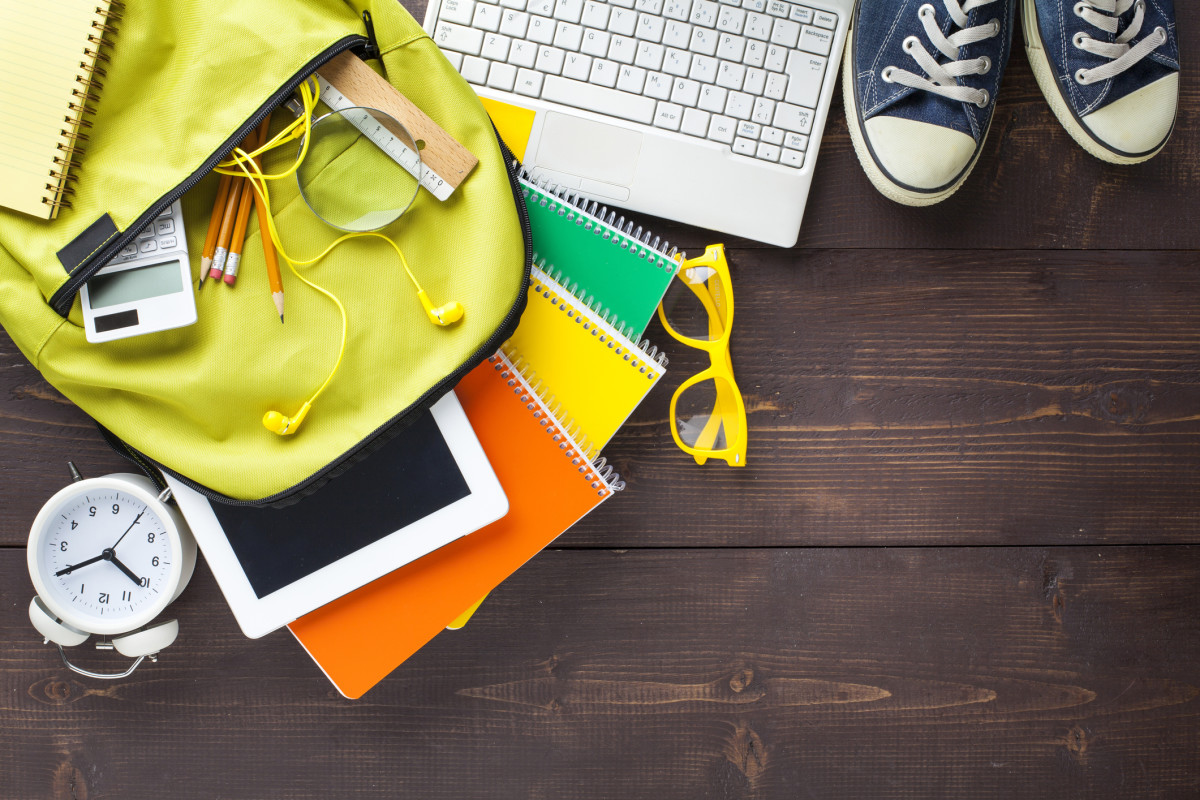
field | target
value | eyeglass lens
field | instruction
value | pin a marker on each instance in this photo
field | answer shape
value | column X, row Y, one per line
column 695, row 304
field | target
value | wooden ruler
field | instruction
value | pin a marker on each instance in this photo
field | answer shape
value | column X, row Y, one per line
column 347, row 81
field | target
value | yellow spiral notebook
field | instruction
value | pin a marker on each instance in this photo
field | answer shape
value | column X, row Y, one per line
column 51, row 68
column 586, row 361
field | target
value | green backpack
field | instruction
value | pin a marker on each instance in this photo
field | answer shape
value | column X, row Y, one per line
column 187, row 81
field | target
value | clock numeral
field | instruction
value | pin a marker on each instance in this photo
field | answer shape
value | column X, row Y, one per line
column 62, row 546
column 144, row 582
column 126, row 595
column 74, row 524
column 81, row 587
column 116, row 508
column 104, row 597
column 150, row 538
column 154, row 561
column 92, row 511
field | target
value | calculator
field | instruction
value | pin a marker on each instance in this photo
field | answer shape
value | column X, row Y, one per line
column 146, row 288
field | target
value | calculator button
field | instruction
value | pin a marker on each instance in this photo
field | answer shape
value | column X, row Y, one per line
column 129, row 250
column 147, row 233
column 165, row 226
column 149, row 246
column 168, row 242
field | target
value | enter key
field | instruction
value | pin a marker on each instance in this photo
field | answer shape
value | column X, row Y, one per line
column 805, row 72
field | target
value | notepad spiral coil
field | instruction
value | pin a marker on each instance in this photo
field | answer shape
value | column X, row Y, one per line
column 84, row 94
column 541, row 277
column 551, row 415
column 597, row 218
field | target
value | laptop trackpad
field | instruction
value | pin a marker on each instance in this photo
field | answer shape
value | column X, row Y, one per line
column 589, row 149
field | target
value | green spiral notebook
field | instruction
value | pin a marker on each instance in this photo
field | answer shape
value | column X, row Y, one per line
column 607, row 260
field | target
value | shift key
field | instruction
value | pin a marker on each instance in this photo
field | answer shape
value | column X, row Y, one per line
column 793, row 118
column 805, row 73
column 611, row 102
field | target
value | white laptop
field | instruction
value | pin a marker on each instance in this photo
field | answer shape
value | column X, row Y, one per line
column 705, row 112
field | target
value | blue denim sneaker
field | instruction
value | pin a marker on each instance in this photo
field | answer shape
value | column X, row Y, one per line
column 920, row 87
column 1110, row 69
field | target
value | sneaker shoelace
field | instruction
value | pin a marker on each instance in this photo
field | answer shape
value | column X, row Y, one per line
column 941, row 77
column 1105, row 15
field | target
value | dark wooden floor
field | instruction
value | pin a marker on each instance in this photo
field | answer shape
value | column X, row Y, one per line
column 960, row 563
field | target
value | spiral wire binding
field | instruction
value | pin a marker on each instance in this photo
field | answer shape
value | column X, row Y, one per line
column 551, row 415
column 548, row 284
column 600, row 220
column 86, row 92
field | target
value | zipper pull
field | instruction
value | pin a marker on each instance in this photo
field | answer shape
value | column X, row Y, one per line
column 371, row 50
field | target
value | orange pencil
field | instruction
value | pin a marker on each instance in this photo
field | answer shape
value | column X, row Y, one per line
column 234, row 259
column 217, row 268
column 214, row 226
column 264, row 233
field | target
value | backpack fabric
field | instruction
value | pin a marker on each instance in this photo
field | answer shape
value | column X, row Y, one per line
column 186, row 82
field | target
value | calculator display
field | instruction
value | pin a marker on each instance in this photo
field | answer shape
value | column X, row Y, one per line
column 139, row 283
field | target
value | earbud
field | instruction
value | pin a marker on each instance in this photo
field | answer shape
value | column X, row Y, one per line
column 445, row 315
column 284, row 425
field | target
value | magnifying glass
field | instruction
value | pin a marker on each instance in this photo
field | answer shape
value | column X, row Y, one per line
column 359, row 174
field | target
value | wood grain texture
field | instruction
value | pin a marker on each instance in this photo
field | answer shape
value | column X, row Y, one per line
column 781, row 673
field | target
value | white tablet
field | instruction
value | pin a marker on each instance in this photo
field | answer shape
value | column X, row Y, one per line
column 426, row 487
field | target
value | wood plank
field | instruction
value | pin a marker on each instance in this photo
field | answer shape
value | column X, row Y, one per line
column 777, row 673
column 932, row 397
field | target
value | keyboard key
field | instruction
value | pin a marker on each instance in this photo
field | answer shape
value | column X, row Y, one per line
column 745, row 147
column 685, row 92
column 677, row 34
column 704, row 69
column 758, row 26
column 677, row 9
column 756, row 81
column 669, row 116
column 730, row 47
column 805, row 73
column 495, row 47
column 631, row 79
column 543, row 8
column 712, row 98
column 649, row 55
column 801, row 14
column 604, row 73
column 522, row 54
column 695, row 122
column 459, row 12
column 568, row 36
column 776, row 58
column 764, row 111
column 568, row 10
column 677, row 62
column 749, row 130
column 767, row 152
column 755, row 5
column 792, row 158
column 756, row 53
column 771, row 136
column 658, row 86
column 577, row 66
column 704, row 13
column 502, row 76
column 457, row 38
column 776, row 86
column 486, row 17
column 739, row 105
column 778, row 8
column 650, row 27
column 826, row 20
column 785, row 32
column 653, row 7
column 595, row 43
column 454, row 58
column 514, row 23
column 529, row 83
column 622, row 21
column 793, row 118
column 622, row 49
column 731, row 20
column 599, row 99
column 704, row 41
column 731, row 75
column 721, row 129
column 541, row 30
column 595, row 15
column 550, row 60
column 622, row 3
column 519, row 5
column 816, row 40
column 795, row 141
column 474, row 69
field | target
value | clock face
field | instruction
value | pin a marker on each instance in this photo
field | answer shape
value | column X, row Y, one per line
column 105, row 556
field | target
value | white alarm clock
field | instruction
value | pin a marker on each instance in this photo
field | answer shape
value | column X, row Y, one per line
column 107, row 556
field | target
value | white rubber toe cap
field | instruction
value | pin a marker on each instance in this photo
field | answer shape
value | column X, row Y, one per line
column 1139, row 122
column 919, row 154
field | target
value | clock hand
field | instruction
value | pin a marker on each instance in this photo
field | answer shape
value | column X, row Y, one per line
column 111, row 556
column 127, row 530
column 68, row 570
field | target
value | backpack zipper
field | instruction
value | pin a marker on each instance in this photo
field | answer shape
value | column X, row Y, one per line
column 64, row 298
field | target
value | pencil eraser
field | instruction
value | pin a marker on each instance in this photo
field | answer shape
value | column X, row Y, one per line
column 230, row 279
column 215, row 274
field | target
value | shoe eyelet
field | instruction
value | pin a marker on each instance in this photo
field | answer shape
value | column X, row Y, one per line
column 985, row 65
column 1078, row 39
column 1160, row 32
column 910, row 43
column 1080, row 8
column 886, row 74
column 995, row 23
column 1081, row 77
column 983, row 101
column 926, row 9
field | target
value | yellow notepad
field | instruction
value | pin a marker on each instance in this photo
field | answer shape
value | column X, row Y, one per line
column 586, row 362
column 48, row 76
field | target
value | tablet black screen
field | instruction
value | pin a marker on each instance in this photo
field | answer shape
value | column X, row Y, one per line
column 409, row 478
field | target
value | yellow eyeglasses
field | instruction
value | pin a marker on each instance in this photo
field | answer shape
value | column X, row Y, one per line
column 708, row 416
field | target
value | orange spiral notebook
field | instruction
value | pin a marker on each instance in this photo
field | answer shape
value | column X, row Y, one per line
column 550, row 483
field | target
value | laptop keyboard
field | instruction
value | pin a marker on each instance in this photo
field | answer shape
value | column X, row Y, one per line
column 744, row 73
